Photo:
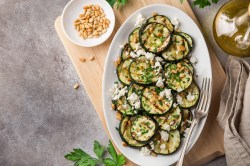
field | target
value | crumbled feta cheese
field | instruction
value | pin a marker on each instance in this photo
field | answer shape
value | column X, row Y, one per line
column 140, row 52
column 149, row 56
column 166, row 127
column 179, row 99
column 169, row 117
column 193, row 60
column 164, row 135
column 160, row 82
column 171, row 123
column 190, row 96
column 145, row 151
column 166, row 92
column 140, row 20
column 126, row 52
column 179, row 89
column 119, row 92
column 157, row 65
column 158, row 59
column 151, row 144
column 133, row 54
column 121, row 46
column 176, row 23
column 175, row 105
column 163, row 147
column 135, row 100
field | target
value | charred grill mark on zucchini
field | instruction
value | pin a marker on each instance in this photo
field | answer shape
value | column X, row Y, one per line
column 186, row 120
column 142, row 71
column 153, row 103
column 162, row 20
column 177, row 50
column 189, row 97
column 143, row 128
column 134, row 39
column 125, row 54
column 154, row 37
column 123, row 72
column 178, row 77
column 171, row 145
column 171, row 120
column 124, row 130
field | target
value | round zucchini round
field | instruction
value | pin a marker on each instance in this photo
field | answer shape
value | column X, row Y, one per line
column 162, row 20
column 133, row 39
column 177, row 50
column 189, row 97
column 171, row 120
column 142, row 71
column 143, row 128
column 123, row 72
column 155, row 37
column 186, row 120
column 167, row 147
column 124, row 130
column 178, row 77
column 125, row 53
column 153, row 102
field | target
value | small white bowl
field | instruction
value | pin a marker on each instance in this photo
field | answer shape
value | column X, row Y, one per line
column 72, row 11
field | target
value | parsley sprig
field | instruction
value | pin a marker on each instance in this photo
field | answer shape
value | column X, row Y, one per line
column 199, row 3
column 81, row 158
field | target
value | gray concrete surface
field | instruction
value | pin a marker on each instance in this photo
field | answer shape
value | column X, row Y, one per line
column 41, row 116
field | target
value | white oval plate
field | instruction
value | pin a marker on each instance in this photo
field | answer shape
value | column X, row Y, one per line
column 203, row 69
column 72, row 11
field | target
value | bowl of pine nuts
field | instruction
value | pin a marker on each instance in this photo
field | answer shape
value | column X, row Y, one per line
column 88, row 23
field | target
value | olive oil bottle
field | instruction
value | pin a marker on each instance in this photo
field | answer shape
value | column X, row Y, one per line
column 231, row 28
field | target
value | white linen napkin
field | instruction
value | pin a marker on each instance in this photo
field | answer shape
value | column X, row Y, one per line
column 234, row 113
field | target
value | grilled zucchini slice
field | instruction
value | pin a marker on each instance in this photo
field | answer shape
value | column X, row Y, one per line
column 125, row 54
column 169, row 146
column 155, row 37
column 171, row 120
column 162, row 20
column 143, row 128
column 142, row 71
column 189, row 39
column 134, row 39
column 177, row 50
column 123, row 107
column 124, row 130
column 155, row 104
column 178, row 77
column 123, row 72
column 137, row 89
column 187, row 118
column 189, row 97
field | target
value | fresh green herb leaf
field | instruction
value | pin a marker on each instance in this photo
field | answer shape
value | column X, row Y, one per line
column 98, row 149
column 202, row 3
column 111, row 2
column 81, row 158
column 119, row 160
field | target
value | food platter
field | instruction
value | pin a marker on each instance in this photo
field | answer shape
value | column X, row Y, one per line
column 203, row 69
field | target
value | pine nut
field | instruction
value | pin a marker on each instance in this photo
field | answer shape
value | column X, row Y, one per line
column 124, row 144
column 118, row 115
column 92, row 58
column 82, row 59
column 104, row 31
column 113, row 106
column 76, row 86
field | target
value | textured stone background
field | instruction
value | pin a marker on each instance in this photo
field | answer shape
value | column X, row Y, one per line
column 41, row 116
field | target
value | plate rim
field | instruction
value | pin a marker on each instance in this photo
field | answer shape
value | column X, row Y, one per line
column 203, row 121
